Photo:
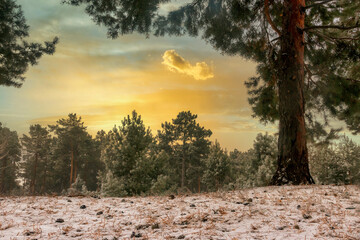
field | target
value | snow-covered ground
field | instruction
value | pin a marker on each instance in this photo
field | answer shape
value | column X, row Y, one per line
column 289, row 212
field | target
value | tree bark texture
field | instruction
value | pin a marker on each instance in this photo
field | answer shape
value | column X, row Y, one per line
column 293, row 164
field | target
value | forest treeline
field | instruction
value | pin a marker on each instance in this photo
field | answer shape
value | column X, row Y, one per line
column 129, row 160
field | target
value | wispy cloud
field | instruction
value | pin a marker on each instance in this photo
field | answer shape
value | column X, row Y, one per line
column 176, row 63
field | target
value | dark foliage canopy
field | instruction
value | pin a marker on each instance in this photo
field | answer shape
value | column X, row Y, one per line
column 186, row 141
column 16, row 54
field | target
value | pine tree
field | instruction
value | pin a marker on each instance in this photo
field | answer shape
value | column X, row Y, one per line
column 164, row 174
column 126, row 154
column 71, row 133
column 307, row 54
column 241, row 171
column 36, row 149
column 16, row 54
column 187, row 143
column 349, row 151
column 217, row 168
column 327, row 166
column 91, row 164
column 10, row 152
column 264, row 159
column 336, row 163
column 256, row 166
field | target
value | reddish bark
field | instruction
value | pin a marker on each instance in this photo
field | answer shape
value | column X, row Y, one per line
column 293, row 164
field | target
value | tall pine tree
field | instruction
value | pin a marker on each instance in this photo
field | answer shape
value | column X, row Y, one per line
column 10, row 152
column 126, row 156
column 256, row 166
column 70, row 132
column 187, row 144
column 217, row 168
column 307, row 54
column 36, row 149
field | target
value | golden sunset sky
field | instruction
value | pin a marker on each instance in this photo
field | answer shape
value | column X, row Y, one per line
column 103, row 80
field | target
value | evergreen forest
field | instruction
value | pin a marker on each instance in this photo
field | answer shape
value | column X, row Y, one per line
column 131, row 160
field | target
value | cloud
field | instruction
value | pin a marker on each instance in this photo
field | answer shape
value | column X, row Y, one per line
column 176, row 63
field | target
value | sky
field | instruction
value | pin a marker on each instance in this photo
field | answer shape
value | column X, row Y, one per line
column 104, row 80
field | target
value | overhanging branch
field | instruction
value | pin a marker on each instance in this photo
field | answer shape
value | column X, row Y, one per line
column 332, row 27
column 352, row 80
column 268, row 18
column 316, row 4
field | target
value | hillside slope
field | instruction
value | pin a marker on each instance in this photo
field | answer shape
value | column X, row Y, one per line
column 289, row 212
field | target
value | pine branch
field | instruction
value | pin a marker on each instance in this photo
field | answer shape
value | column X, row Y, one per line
column 276, row 39
column 196, row 2
column 268, row 18
column 2, row 149
column 332, row 27
column 324, row 36
column 4, row 155
column 310, row 74
column 316, row 4
column 345, row 38
column 353, row 80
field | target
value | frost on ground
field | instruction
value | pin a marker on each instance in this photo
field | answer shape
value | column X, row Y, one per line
column 289, row 212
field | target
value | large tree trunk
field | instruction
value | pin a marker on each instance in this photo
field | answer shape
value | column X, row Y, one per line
column 293, row 164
